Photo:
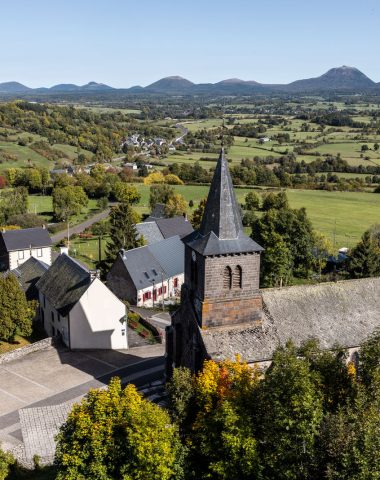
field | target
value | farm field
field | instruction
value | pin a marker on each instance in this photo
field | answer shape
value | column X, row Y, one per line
column 343, row 215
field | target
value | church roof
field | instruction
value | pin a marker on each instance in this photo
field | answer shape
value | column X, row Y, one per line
column 221, row 230
column 337, row 314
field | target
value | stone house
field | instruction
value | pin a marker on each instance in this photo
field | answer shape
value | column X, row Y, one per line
column 148, row 275
column 223, row 312
column 77, row 307
column 17, row 246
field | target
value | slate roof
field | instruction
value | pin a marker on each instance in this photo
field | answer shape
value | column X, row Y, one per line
column 150, row 232
column 24, row 239
column 146, row 264
column 28, row 274
column 64, row 283
column 179, row 225
column 343, row 313
column 221, row 231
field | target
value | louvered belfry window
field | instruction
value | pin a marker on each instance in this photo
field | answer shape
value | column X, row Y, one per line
column 227, row 278
column 237, row 277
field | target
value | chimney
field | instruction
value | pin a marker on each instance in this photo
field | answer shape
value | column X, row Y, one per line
column 94, row 274
column 64, row 250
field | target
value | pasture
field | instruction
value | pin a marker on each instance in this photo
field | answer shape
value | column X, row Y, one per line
column 343, row 216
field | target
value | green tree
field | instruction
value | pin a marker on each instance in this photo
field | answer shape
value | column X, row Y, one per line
column 68, row 202
column 288, row 417
column 122, row 232
column 376, row 147
column 160, row 194
column 126, row 193
column 176, row 205
column 323, row 248
column 252, row 201
column 364, row 260
column 16, row 313
column 350, row 441
column 116, row 434
column 277, row 262
column 196, row 218
column 6, row 461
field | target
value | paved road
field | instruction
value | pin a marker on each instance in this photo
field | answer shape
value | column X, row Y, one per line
column 54, row 377
column 81, row 227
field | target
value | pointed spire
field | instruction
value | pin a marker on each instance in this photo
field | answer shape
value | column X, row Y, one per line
column 222, row 213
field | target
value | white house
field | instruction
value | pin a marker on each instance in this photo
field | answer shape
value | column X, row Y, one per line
column 76, row 306
column 148, row 275
column 17, row 246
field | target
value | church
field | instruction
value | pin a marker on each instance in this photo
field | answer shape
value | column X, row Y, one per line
column 223, row 311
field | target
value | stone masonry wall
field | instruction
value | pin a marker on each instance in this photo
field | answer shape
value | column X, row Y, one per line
column 23, row 351
column 214, row 288
column 232, row 312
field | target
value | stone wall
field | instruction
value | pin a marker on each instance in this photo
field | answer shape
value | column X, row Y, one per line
column 232, row 312
column 23, row 351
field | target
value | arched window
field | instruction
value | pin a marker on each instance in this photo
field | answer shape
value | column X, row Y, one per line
column 227, row 278
column 237, row 277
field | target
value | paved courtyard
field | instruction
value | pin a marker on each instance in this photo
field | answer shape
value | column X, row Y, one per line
column 37, row 391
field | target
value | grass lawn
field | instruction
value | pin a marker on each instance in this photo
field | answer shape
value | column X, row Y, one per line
column 43, row 205
column 87, row 250
column 18, row 343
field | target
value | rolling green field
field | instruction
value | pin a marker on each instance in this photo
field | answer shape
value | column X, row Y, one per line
column 340, row 215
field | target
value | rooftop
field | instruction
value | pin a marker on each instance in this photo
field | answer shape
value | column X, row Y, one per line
column 155, row 262
column 26, row 238
column 64, row 283
column 337, row 314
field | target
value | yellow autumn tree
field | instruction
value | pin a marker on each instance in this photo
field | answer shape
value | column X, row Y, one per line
column 221, row 441
column 117, row 434
column 154, row 178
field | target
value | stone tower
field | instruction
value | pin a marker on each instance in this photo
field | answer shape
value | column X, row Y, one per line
column 222, row 271
column 222, row 264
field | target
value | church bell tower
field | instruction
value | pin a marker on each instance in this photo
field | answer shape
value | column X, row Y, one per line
column 222, row 263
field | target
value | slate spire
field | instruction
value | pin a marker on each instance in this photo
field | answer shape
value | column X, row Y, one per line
column 222, row 213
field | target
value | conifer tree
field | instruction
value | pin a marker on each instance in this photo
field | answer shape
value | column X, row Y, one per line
column 16, row 313
column 365, row 258
column 122, row 232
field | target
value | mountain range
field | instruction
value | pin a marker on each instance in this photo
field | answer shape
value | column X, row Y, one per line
column 336, row 79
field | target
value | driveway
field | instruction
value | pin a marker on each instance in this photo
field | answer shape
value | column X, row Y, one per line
column 55, row 376
column 81, row 227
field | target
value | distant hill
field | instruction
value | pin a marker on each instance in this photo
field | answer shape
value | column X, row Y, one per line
column 13, row 87
column 70, row 87
column 170, row 85
column 341, row 78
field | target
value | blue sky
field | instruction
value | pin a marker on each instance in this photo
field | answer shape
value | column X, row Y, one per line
column 124, row 43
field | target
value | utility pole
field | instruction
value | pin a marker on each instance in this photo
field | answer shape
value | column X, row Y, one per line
column 162, row 286
column 153, row 293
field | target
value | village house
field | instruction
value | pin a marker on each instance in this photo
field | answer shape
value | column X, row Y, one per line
column 147, row 276
column 224, row 312
column 17, row 246
column 28, row 274
column 157, row 227
column 78, row 308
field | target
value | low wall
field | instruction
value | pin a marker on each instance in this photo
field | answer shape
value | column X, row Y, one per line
column 23, row 351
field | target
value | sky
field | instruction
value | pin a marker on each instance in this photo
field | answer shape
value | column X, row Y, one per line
column 124, row 43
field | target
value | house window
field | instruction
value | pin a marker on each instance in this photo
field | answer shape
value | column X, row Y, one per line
column 39, row 252
column 237, row 277
column 227, row 278
column 21, row 255
column 175, row 283
column 164, row 290
column 160, row 291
